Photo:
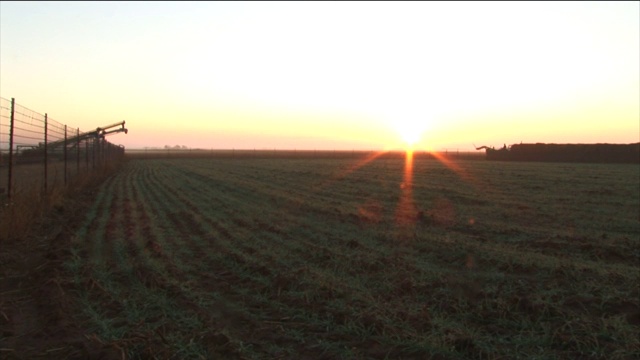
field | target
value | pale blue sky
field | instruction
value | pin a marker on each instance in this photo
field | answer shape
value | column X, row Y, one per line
column 329, row 74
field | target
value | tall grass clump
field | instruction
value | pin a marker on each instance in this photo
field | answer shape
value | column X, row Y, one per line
column 21, row 212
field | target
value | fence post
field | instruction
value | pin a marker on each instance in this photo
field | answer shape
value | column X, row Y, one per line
column 98, row 152
column 93, row 153
column 46, row 128
column 13, row 108
column 86, row 151
column 77, row 152
column 65, row 155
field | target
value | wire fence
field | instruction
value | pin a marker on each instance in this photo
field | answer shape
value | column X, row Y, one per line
column 38, row 153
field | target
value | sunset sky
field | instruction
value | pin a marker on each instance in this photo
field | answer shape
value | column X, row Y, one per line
column 329, row 75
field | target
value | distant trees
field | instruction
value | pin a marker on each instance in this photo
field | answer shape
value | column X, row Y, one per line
column 176, row 147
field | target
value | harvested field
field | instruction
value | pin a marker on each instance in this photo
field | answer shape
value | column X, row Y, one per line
column 341, row 258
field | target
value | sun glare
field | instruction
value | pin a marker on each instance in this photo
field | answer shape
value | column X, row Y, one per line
column 409, row 132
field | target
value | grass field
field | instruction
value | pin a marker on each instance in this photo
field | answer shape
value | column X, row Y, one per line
column 341, row 258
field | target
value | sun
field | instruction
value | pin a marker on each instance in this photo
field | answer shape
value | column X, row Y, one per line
column 409, row 132
column 410, row 137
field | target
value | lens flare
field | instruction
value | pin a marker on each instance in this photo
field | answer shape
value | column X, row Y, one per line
column 407, row 212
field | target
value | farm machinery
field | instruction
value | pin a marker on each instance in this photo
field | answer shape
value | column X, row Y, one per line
column 496, row 154
column 586, row 153
column 71, row 143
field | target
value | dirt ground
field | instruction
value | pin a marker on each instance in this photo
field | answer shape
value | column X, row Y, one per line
column 37, row 313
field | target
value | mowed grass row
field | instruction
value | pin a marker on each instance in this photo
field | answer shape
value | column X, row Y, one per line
column 340, row 258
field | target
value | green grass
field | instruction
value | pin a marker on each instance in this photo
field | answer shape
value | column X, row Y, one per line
column 331, row 258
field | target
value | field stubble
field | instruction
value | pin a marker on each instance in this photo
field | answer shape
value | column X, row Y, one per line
column 324, row 258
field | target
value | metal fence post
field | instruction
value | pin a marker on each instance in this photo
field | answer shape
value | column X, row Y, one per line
column 46, row 128
column 13, row 108
column 65, row 154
